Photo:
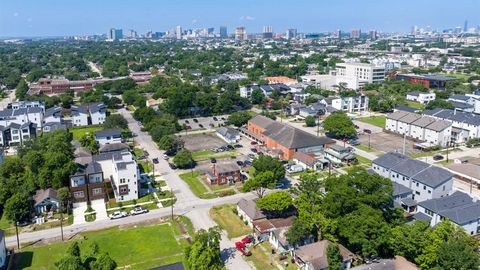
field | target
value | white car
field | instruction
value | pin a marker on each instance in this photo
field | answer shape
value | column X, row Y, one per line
column 138, row 211
column 165, row 156
column 118, row 214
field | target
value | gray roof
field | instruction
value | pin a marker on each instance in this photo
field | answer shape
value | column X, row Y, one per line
column 108, row 132
column 396, row 115
column 439, row 125
column 93, row 167
column 226, row 167
column 409, row 118
column 405, row 109
column 422, row 217
column 459, row 97
column 389, row 160
column 457, row 116
column 458, row 207
column 408, row 201
column 410, row 167
column 52, row 111
column 262, row 121
column 460, row 105
column 433, row 176
column 43, row 194
column 113, row 147
column 228, row 133
column 399, row 189
column 249, row 207
column 424, row 121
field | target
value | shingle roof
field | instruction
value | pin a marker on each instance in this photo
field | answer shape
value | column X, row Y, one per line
column 42, row 194
column 433, row 176
column 458, row 207
column 410, row 167
column 249, row 207
column 316, row 253
column 409, row 118
column 439, row 125
column 396, row 115
column 108, row 132
column 399, row 189
column 389, row 160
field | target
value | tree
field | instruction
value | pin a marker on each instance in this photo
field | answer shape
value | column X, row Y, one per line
column 299, row 231
column 69, row 262
column 260, row 182
column 74, row 249
column 166, row 142
column 276, row 202
column 268, row 163
column 115, row 121
column 409, row 240
column 257, row 96
column 458, row 253
column 334, row 258
column 18, row 207
column 183, row 159
column 339, row 125
column 88, row 141
column 64, row 197
column 310, row 121
column 21, row 89
column 439, row 103
column 239, row 119
column 103, row 262
column 204, row 252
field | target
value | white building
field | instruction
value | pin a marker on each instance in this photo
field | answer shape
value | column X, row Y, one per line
column 356, row 75
column 465, row 125
column 459, row 208
column 121, row 168
column 22, row 116
column 425, row 180
column 24, row 104
column 323, row 81
column 348, row 104
column 108, row 136
column 229, row 135
column 420, row 97
column 89, row 114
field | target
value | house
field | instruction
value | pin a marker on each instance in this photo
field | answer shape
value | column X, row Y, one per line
column 108, row 136
column 465, row 125
column 425, row 180
column 98, row 113
column 229, row 135
column 421, row 97
column 404, row 108
column 284, row 139
column 88, row 114
column 3, row 251
column 309, row 161
column 52, row 115
column 463, row 103
column 79, row 115
column 17, row 134
column 459, row 208
column 225, row 173
column 314, row 256
column 46, row 200
column 267, row 89
column 397, row 263
column 249, row 212
column 281, row 80
column 24, row 104
column 403, row 196
column 112, row 147
column 338, row 154
column 315, row 110
column 52, row 126
column 22, row 116
column 87, row 184
column 348, row 104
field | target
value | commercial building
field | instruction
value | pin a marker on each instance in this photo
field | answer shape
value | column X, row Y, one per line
column 115, row 34
column 267, row 32
column 356, row 34
column 282, row 140
column 241, row 33
column 47, row 86
column 423, row 128
column 223, row 32
column 178, row 32
column 267, row 89
column 425, row 180
column 291, row 33
column 429, row 81
column 356, row 75
column 421, row 97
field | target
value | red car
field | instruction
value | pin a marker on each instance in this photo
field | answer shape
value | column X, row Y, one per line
column 253, row 142
column 242, row 248
column 247, row 239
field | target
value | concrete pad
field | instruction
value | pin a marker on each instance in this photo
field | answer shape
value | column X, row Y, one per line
column 79, row 213
column 100, row 209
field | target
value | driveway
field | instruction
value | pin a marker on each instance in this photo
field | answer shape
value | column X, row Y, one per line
column 79, row 213
column 100, row 209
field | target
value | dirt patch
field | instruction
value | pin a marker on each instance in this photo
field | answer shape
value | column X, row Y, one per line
column 198, row 142
column 387, row 142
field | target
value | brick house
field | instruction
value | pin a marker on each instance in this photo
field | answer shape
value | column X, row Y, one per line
column 224, row 174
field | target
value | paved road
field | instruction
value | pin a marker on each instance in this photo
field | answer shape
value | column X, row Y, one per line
column 187, row 204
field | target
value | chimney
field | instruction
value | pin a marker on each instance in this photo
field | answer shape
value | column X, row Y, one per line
column 214, row 169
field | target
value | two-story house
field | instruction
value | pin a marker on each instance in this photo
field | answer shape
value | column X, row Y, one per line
column 226, row 173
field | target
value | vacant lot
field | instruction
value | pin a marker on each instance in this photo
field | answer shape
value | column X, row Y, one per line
column 79, row 132
column 198, row 188
column 135, row 248
column 378, row 121
column 229, row 221
column 198, row 142
column 386, row 142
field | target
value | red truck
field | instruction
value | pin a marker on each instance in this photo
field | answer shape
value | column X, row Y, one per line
column 242, row 248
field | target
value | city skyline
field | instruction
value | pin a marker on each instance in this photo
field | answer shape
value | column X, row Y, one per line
column 60, row 18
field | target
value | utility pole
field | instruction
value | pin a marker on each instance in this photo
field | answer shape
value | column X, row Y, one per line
column 61, row 219
column 404, row 143
column 171, row 190
column 447, row 152
column 16, row 230
column 369, row 134
column 318, row 125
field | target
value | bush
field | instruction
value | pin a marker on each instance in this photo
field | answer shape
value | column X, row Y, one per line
column 473, row 142
column 235, row 211
column 310, row 121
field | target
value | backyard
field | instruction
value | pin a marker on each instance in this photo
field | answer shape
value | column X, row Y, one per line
column 142, row 247
column 378, row 121
column 229, row 221
column 79, row 132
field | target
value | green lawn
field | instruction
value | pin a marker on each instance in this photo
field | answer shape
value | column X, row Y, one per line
column 197, row 187
column 415, row 105
column 378, row 121
column 363, row 160
column 134, row 248
column 365, row 148
column 229, row 221
column 79, row 132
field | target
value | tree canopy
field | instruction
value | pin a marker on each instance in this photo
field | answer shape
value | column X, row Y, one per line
column 204, row 252
column 275, row 202
column 340, row 126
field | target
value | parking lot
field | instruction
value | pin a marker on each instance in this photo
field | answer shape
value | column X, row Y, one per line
column 197, row 142
column 204, row 122
column 387, row 142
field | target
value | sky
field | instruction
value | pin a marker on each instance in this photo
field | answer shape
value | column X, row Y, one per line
column 78, row 17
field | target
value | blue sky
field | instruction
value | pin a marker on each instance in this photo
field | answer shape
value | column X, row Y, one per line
column 73, row 17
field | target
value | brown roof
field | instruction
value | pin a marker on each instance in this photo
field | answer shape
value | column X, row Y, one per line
column 42, row 194
column 226, row 167
column 249, row 207
column 316, row 253
column 265, row 225
column 468, row 169
column 308, row 159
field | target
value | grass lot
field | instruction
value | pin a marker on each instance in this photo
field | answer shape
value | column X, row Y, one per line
column 79, row 132
column 415, row 105
column 134, row 248
column 263, row 259
column 229, row 221
column 456, row 75
column 207, row 154
column 378, row 121
column 363, row 160
column 9, row 229
column 365, row 148
column 195, row 184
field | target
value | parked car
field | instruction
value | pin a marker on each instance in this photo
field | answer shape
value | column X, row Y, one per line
column 155, row 161
column 368, row 131
column 172, row 166
column 254, row 150
column 238, row 145
column 200, row 125
column 253, row 142
column 242, row 248
column 248, row 239
column 213, row 160
column 353, row 142
column 437, row 157
column 118, row 214
column 215, row 118
column 214, row 149
column 230, row 147
column 195, row 120
column 357, row 127
column 240, row 163
column 145, row 153
column 223, row 118
column 138, row 211
column 280, row 186
column 252, row 156
column 165, row 157
column 247, row 162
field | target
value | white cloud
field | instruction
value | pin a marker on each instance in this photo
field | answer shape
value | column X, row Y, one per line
column 247, row 18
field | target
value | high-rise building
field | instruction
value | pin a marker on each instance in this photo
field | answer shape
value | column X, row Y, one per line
column 210, row 31
column 373, row 35
column 267, row 32
column 133, row 33
column 223, row 32
column 356, row 34
column 291, row 33
column 178, row 32
column 240, row 33
column 465, row 26
column 116, row 34
column 337, row 34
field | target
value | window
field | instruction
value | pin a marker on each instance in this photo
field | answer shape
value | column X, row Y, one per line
column 97, row 191
column 78, row 194
column 123, row 189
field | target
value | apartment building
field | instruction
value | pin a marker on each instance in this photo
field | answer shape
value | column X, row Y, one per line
column 267, row 89
column 420, row 97
column 425, row 180
column 422, row 128
column 89, row 114
column 88, row 183
column 348, row 104
column 19, row 125
column 465, row 125
column 356, row 75
column 26, row 104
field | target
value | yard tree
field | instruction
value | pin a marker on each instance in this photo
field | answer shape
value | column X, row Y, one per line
column 64, row 197
column 257, row 96
column 204, row 252
column 21, row 89
column 268, row 163
column 166, row 142
column 260, row 182
column 74, row 249
column 18, row 207
column 310, row 121
column 440, row 104
column 409, row 240
column 239, row 119
column 299, row 231
column 89, row 142
column 334, row 258
column 275, row 202
column 115, row 121
column 103, row 262
column 183, row 159
column 70, row 262
column 340, row 126
column 458, row 253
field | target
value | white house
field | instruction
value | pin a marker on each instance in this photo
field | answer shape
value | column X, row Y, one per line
column 338, row 154
column 308, row 161
column 89, row 114
column 229, row 135
column 98, row 113
column 108, row 136
column 465, row 125
column 53, row 115
column 421, row 97
column 459, row 208
column 348, row 104
column 314, row 256
column 79, row 116
column 425, row 180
